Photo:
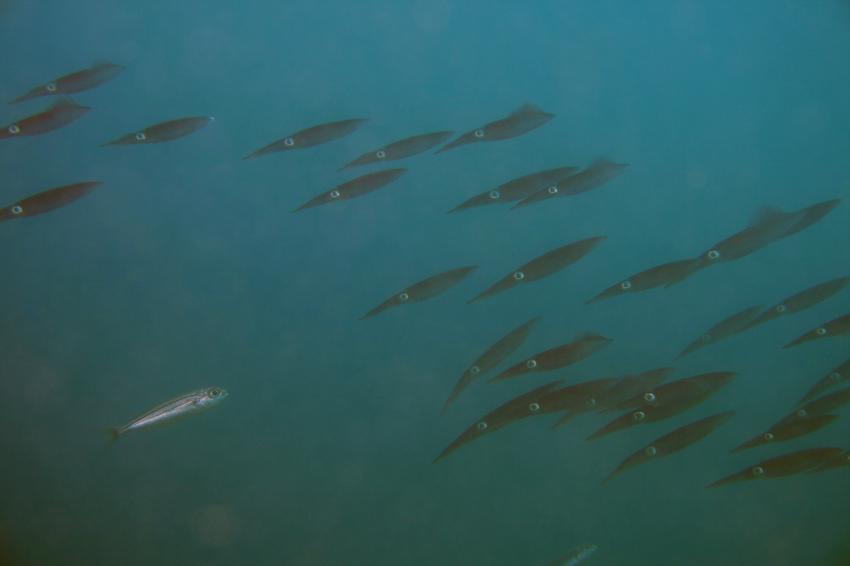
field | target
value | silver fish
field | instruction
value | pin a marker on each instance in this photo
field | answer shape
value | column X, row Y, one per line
column 181, row 406
column 576, row 556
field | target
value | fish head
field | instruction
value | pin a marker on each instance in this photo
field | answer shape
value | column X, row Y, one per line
column 213, row 395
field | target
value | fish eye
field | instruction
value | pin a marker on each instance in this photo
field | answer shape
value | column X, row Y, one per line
column 552, row 190
column 17, row 209
column 215, row 393
column 50, row 87
column 403, row 296
column 651, row 451
column 481, row 426
column 768, row 436
column 519, row 275
column 649, row 397
column 334, row 194
column 638, row 415
column 479, row 133
column 757, row 471
column 494, row 195
column 141, row 136
column 835, row 376
column 781, row 309
column 713, row 254
column 626, row 285
column 380, row 154
column 705, row 338
column 820, row 331
column 802, row 413
column 534, row 407
column 14, row 129
column 288, row 142
column 531, row 364
column 475, row 370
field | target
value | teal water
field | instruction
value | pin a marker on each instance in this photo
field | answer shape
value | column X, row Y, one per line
column 186, row 269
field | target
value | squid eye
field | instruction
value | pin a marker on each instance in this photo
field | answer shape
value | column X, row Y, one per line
column 380, row 154
column 475, row 370
column 534, row 407
column 50, row 87
column 141, row 136
column 781, row 309
column 14, row 129
column 494, row 195
column 651, row 451
column 334, row 194
column 821, row 331
column 481, row 426
column 403, row 297
column 713, row 254
column 17, row 209
column 519, row 275
column 835, row 376
column 479, row 133
column 757, row 471
column 649, row 397
column 802, row 413
column 288, row 142
column 768, row 436
column 626, row 285
column 638, row 415
column 531, row 364
column 552, row 190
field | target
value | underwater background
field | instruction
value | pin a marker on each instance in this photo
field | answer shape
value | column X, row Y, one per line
column 187, row 269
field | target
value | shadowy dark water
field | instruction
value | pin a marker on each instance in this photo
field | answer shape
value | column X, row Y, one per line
column 187, row 269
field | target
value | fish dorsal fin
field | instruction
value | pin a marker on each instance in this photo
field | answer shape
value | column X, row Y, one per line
column 767, row 214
